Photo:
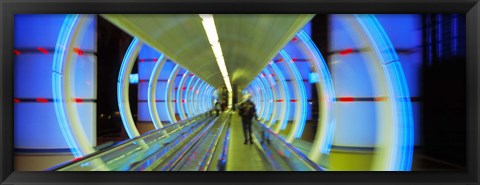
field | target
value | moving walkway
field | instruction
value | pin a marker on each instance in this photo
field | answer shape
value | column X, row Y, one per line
column 201, row 143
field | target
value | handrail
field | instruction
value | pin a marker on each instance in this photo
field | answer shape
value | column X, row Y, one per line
column 213, row 147
column 222, row 162
column 192, row 130
column 292, row 148
column 187, row 148
column 123, row 143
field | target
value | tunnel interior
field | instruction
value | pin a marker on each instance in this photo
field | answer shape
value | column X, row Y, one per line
column 332, row 92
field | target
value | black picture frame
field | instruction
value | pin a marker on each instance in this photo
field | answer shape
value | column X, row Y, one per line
column 8, row 8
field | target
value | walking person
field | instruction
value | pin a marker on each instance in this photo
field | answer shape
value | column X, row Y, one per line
column 247, row 112
column 218, row 107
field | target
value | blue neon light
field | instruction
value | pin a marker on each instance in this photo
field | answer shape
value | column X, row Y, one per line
column 270, row 97
column 303, row 93
column 179, row 99
column 401, row 160
column 287, row 94
column 187, row 97
column 121, row 74
column 57, row 85
column 193, row 99
column 267, row 96
column 210, row 98
column 207, row 97
column 256, row 95
column 171, row 78
column 274, row 95
column 155, row 68
column 327, row 89
column 261, row 96
column 199, row 96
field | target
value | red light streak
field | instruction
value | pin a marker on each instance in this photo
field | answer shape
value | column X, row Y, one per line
column 16, row 100
column 346, row 99
column 16, row 52
column 78, row 51
column 43, row 50
column 347, row 51
column 42, row 100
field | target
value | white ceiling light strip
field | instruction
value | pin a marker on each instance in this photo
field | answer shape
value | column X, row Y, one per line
column 211, row 30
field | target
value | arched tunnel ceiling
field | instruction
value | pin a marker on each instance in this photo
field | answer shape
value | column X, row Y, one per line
column 248, row 41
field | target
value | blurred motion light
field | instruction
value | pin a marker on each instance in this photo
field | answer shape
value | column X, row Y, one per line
column 211, row 30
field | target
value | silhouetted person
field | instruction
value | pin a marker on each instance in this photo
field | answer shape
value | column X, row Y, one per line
column 247, row 112
column 218, row 107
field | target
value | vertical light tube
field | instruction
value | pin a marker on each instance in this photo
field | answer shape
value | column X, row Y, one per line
column 273, row 97
column 187, row 105
column 301, row 104
column 286, row 97
column 199, row 97
column 192, row 99
column 396, row 149
column 210, row 98
column 300, row 94
column 122, row 88
column 62, row 68
column 325, row 91
column 168, row 96
column 180, row 100
column 152, row 91
column 262, row 96
column 268, row 92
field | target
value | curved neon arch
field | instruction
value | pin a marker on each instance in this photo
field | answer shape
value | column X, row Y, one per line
column 66, row 112
column 265, row 96
column 192, row 103
column 197, row 97
column 325, row 131
column 152, row 91
column 397, row 150
column 286, row 94
column 207, row 99
column 180, row 98
column 301, row 106
column 210, row 98
column 122, row 88
column 168, row 97
column 62, row 72
column 258, row 98
column 268, row 91
column 273, row 112
column 187, row 97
